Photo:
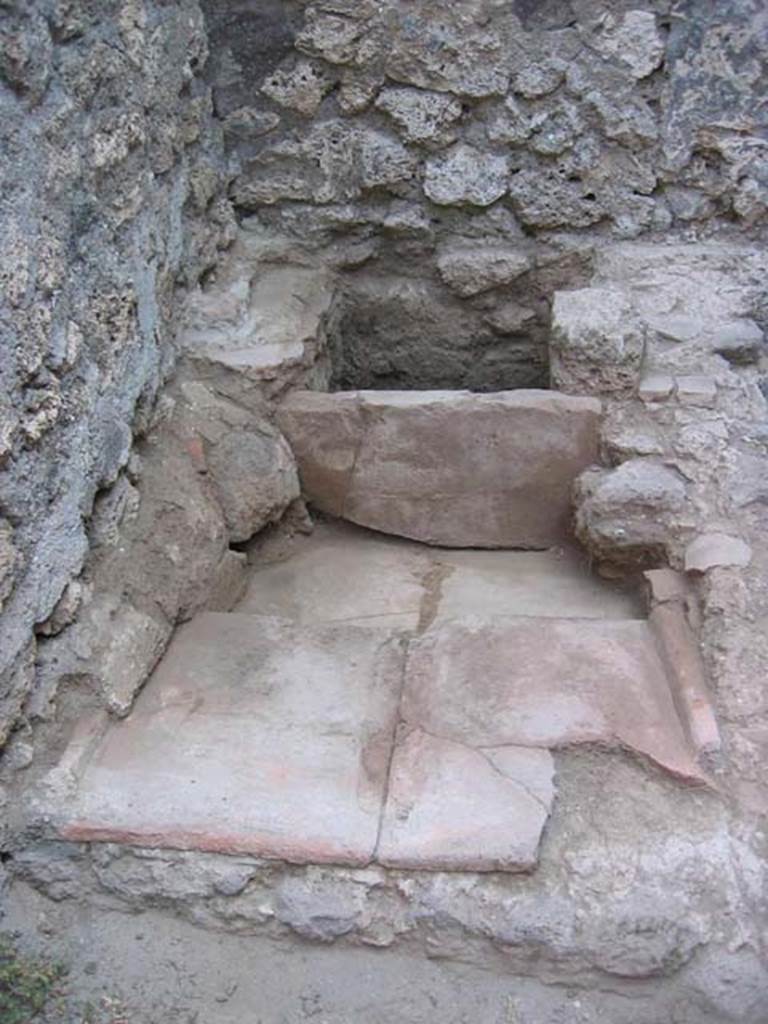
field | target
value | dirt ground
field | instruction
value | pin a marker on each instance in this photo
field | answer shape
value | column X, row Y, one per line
column 153, row 968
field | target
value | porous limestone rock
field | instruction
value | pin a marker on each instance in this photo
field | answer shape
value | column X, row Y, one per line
column 112, row 147
column 542, row 198
column 420, row 115
column 330, row 35
column 332, row 162
column 536, row 80
column 511, row 123
column 598, row 342
column 469, row 270
column 9, row 562
column 463, row 56
column 302, row 88
column 466, row 175
column 633, row 39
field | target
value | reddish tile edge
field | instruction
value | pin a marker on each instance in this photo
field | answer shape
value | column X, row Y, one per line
column 178, row 838
column 685, row 669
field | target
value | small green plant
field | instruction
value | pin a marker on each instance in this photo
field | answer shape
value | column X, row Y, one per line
column 25, row 983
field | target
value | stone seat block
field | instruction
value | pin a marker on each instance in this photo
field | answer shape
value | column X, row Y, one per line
column 448, row 468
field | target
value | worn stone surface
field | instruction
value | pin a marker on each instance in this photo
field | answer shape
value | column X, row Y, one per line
column 595, row 682
column 655, row 387
column 464, row 783
column 696, row 389
column 344, row 573
column 415, row 464
column 299, row 793
column 448, row 803
column 341, row 574
column 258, row 322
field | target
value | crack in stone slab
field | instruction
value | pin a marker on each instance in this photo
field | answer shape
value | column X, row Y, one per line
column 392, row 748
column 432, row 583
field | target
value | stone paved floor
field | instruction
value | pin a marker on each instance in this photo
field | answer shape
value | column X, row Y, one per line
column 370, row 699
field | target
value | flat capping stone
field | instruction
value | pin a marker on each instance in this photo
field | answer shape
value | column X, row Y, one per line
column 449, row 468
column 526, row 398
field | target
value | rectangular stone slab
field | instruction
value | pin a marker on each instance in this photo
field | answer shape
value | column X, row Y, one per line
column 254, row 735
column 451, row 807
column 549, row 684
column 449, row 468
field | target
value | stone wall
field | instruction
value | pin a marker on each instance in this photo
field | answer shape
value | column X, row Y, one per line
column 110, row 205
column 460, row 161
column 454, row 164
